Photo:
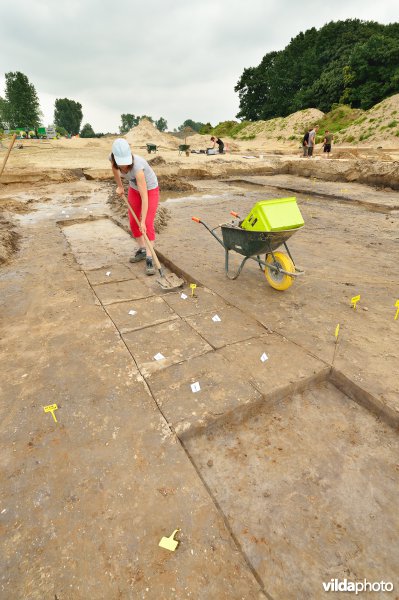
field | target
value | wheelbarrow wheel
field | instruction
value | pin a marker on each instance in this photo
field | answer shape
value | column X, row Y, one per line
column 277, row 280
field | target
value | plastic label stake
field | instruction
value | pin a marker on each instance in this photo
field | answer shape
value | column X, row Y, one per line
column 337, row 332
column 354, row 301
column 193, row 286
column 183, row 296
column 195, row 387
column 264, row 357
column 397, row 312
column 51, row 408
column 169, row 543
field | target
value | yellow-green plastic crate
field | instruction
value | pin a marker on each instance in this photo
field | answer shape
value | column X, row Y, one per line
column 274, row 215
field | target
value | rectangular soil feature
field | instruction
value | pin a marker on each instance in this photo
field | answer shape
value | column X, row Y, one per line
column 309, row 488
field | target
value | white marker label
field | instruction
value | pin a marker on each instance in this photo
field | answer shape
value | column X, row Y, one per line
column 264, row 357
column 183, row 296
column 195, row 387
column 159, row 356
column 132, row 312
column 108, row 273
column 216, row 319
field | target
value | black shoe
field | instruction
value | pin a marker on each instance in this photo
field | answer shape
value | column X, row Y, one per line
column 140, row 255
column 149, row 267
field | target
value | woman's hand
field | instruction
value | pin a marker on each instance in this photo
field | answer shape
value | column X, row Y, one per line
column 143, row 227
column 120, row 191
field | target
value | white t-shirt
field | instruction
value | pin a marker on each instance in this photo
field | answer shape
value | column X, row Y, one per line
column 140, row 164
column 312, row 138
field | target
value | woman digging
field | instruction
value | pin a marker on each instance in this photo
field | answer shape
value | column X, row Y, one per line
column 143, row 196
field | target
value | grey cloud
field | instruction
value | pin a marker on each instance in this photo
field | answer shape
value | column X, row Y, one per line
column 172, row 58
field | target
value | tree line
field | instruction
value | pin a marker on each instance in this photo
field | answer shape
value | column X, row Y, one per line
column 349, row 62
column 20, row 108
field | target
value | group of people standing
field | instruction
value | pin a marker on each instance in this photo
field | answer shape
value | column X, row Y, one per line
column 309, row 142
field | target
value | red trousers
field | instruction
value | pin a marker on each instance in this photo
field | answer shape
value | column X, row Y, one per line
column 134, row 200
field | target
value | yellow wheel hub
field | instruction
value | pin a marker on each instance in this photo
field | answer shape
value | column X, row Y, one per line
column 280, row 281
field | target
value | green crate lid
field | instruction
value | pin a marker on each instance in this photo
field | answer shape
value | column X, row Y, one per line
column 274, row 215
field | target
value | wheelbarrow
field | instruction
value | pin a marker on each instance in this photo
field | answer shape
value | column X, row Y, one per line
column 184, row 148
column 152, row 148
column 279, row 268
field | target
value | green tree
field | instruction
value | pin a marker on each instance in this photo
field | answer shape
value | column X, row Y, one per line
column 21, row 102
column 349, row 61
column 3, row 114
column 68, row 114
column 374, row 65
column 161, row 124
column 195, row 125
column 206, row 128
column 61, row 131
column 128, row 121
column 87, row 131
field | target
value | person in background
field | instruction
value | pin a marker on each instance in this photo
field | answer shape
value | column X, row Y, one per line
column 219, row 142
column 143, row 196
column 312, row 141
column 328, row 138
column 305, row 142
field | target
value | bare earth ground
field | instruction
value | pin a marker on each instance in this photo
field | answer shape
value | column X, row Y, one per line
column 279, row 474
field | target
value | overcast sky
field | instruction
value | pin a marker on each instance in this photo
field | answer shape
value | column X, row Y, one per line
column 178, row 59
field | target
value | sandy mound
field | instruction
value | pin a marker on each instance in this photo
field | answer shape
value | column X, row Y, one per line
column 8, row 239
column 157, row 160
column 146, row 133
column 174, row 183
column 283, row 128
column 378, row 126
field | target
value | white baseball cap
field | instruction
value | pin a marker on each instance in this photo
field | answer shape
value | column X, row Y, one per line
column 122, row 152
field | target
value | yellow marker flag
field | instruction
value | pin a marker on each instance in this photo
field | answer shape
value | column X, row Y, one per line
column 337, row 332
column 193, row 286
column 51, row 408
column 169, row 543
column 355, row 300
column 397, row 312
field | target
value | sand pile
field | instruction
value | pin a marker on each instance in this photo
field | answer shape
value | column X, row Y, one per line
column 147, row 133
column 379, row 126
column 174, row 183
column 289, row 128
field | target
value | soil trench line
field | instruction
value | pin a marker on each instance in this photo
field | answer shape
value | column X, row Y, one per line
column 227, row 525
column 364, row 398
column 219, row 509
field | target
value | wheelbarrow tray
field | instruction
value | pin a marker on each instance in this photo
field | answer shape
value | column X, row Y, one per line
column 253, row 243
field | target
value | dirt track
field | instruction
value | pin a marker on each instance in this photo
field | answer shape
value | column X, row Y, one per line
column 286, row 466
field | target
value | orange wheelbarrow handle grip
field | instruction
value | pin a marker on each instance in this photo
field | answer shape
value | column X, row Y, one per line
column 234, row 214
column 196, row 219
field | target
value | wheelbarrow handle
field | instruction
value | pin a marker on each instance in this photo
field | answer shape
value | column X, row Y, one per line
column 234, row 214
column 211, row 231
